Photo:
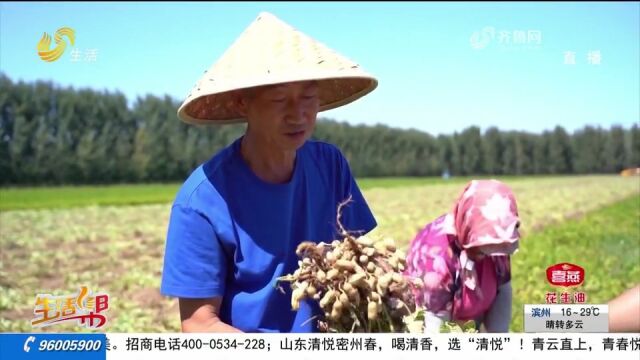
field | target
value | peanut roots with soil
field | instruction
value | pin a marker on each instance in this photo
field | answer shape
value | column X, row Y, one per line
column 358, row 284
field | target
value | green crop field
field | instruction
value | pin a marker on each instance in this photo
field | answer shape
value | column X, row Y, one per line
column 17, row 198
column 606, row 243
column 54, row 240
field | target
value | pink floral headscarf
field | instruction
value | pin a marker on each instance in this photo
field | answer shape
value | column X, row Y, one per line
column 484, row 217
column 486, row 214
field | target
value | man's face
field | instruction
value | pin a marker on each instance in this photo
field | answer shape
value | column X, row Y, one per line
column 282, row 115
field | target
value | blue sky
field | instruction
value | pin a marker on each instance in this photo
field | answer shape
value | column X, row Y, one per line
column 430, row 76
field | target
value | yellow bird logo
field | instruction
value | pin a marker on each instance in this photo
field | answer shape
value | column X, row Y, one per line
column 45, row 43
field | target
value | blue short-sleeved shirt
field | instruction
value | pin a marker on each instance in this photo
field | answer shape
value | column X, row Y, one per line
column 231, row 234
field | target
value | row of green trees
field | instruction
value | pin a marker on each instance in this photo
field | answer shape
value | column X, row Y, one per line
column 54, row 135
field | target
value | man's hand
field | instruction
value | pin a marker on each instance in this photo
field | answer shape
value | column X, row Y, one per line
column 624, row 311
column 201, row 315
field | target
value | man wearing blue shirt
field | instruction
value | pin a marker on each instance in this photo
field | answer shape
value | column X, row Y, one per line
column 237, row 220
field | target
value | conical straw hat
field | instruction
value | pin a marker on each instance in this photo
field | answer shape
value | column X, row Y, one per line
column 271, row 52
